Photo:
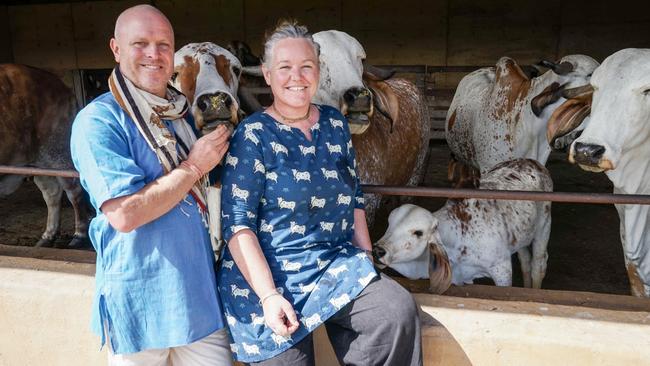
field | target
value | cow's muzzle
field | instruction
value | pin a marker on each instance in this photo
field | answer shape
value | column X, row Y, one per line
column 590, row 157
column 378, row 254
column 215, row 110
column 358, row 108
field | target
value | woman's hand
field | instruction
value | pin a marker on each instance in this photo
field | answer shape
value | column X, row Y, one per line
column 280, row 316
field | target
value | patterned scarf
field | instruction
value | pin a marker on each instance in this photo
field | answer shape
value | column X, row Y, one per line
column 148, row 111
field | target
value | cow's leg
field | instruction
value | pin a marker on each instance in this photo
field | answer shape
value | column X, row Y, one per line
column 524, row 259
column 540, row 244
column 52, row 193
column 10, row 183
column 372, row 203
column 501, row 272
column 82, row 212
column 452, row 170
column 636, row 284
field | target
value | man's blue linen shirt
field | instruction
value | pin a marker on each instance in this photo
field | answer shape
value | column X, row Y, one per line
column 155, row 285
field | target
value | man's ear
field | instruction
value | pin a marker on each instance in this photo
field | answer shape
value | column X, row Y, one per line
column 115, row 48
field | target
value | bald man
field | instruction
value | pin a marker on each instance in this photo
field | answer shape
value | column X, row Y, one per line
column 156, row 298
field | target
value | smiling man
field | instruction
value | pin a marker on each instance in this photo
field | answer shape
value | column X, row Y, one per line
column 156, row 298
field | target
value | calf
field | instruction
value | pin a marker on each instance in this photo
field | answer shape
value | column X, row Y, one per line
column 36, row 111
column 472, row 238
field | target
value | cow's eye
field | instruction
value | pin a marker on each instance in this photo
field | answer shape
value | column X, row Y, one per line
column 236, row 70
column 646, row 92
column 418, row 233
column 174, row 76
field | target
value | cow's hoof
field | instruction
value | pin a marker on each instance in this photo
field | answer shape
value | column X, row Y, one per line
column 79, row 242
column 46, row 243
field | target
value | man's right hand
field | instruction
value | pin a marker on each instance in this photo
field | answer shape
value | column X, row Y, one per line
column 280, row 316
column 208, row 151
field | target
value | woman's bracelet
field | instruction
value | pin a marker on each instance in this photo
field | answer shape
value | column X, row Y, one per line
column 193, row 168
column 265, row 297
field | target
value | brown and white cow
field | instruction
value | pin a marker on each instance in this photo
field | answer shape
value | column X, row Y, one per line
column 386, row 115
column 500, row 113
column 472, row 238
column 616, row 141
column 208, row 75
column 36, row 112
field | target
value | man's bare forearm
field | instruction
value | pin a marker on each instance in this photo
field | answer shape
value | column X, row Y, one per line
column 154, row 200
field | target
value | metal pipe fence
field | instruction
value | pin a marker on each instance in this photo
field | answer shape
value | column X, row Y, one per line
column 573, row 197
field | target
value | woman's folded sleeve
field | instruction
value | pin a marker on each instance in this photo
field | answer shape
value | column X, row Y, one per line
column 242, row 184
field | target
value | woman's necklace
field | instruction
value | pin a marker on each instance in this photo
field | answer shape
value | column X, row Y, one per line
column 292, row 120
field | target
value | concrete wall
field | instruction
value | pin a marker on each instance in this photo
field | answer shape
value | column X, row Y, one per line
column 440, row 32
column 45, row 310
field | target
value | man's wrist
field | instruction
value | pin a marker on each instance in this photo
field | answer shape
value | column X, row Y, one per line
column 193, row 168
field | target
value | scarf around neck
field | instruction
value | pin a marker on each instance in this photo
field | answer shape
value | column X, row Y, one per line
column 148, row 112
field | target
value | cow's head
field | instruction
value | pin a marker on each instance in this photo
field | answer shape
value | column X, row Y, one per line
column 620, row 115
column 208, row 75
column 412, row 234
column 343, row 79
column 571, row 72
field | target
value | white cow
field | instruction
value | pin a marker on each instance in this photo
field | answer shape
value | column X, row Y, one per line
column 386, row 116
column 499, row 113
column 472, row 238
column 616, row 141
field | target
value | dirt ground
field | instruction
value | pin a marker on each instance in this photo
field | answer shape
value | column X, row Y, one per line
column 584, row 250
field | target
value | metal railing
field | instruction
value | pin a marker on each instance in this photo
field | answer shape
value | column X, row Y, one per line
column 574, row 197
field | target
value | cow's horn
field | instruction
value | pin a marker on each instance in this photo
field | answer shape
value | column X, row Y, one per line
column 377, row 74
column 549, row 95
column 562, row 68
column 578, row 91
column 252, row 70
column 439, row 269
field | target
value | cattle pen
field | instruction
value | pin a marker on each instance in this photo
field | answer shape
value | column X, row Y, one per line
column 582, row 315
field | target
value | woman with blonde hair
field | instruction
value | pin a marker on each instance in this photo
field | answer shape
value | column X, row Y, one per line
column 298, row 251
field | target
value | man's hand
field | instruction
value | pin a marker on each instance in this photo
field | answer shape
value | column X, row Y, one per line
column 208, row 151
column 280, row 316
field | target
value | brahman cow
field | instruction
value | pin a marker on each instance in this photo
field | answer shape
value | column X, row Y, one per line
column 616, row 141
column 208, row 75
column 36, row 111
column 500, row 113
column 390, row 131
column 472, row 238
column 387, row 116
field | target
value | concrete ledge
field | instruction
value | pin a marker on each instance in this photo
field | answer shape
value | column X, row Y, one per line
column 45, row 315
column 45, row 311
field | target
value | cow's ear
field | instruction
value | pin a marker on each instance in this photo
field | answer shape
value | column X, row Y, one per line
column 384, row 99
column 440, row 275
column 569, row 115
column 549, row 95
column 375, row 73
